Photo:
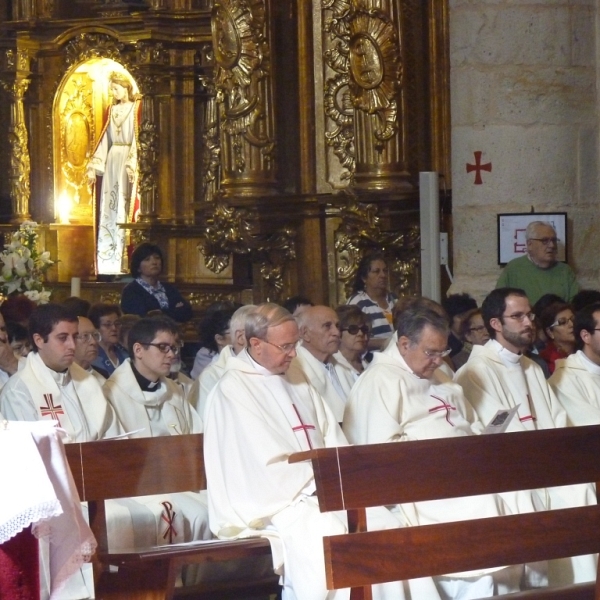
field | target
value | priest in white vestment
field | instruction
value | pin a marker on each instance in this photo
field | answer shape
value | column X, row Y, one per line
column 51, row 386
column 576, row 379
column 255, row 420
column 86, row 349
column 403, row 396
column 498, row 376
column 210, row 376
column 320, row 340
column 149, row 404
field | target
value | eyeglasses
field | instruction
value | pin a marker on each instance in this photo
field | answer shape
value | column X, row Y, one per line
column 87, row 337
column 111, row 324
column 163, row 347
column 480, row 328
column 521, row 316
column 546, row 240
column 433, row 354
column 286, row 348
column 354, row 329
column 563, row 321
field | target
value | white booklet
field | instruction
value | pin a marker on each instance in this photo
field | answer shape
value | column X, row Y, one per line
column 501, row 420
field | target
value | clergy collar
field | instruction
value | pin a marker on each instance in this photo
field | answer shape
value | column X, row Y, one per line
column 507, row 357
column 259, row 368
column 62, row 378
column 145, row 384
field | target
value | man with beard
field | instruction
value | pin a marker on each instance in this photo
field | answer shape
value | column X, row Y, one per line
column 321, row 337
column 498, row 376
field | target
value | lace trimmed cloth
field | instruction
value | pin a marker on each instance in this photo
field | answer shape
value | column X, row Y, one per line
column 38, row 490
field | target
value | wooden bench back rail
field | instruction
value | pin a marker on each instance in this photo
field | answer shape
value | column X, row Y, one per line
column 356, row 477
column 113, row 469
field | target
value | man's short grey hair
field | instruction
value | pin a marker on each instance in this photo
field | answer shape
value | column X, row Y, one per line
column 238, row 319
column 414, row 319
column 264, row 316
column 530, row 232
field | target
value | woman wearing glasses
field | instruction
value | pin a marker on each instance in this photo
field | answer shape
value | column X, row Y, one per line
column 355, row 331
column 472, row 333
column 106, row 319
column 557, row 323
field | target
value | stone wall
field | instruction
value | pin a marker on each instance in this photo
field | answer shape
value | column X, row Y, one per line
column 523, row 93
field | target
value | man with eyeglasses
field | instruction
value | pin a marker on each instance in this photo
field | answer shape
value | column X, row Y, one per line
column 404, row 396
column 498, row 376
column 145, row 400
column 576, row 380
column 255, row 419
column 320, row 336
column 51, row 386
column 86, row 349
column 539, row 272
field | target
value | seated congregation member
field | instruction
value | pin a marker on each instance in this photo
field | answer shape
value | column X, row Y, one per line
column 18, row 338
column 210, row 376
column 472, row 333
column 9, row 363
column 355, row 332
column 52, row 387
column 145, row 400
column 107, row 320
column 176, row 373
column 320, row 339
column 498, row 376
column 370, row 292
column 584, row 298
column 296, row 304
column 146, row 293
column 86, row 349
column 457, row 306
column 403, row 397
column 557, row 322
column 256, row 419
column 539, row 272
column 213, row 335
column 576, row 380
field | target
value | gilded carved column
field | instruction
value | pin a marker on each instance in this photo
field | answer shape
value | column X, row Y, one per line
column 147, row 56
column 15, row 81
column 244, row 90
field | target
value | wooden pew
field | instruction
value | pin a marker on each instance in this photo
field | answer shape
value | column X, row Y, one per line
column 355, row 477
column 128, row 468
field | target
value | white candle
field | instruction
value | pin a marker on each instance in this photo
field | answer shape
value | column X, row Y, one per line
column 75, row 286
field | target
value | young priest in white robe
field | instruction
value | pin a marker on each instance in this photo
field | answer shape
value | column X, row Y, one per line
column 498, row 376
column 404, row 396
column 149, row 404
column 52, row 387
column 576, row 379
column 320, row 337
column 255, row 420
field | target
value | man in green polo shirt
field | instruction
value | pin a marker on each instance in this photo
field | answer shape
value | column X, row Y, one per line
column 539, row 272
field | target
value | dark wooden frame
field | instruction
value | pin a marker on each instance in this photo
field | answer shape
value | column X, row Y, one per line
column 128, row 468
column 355, row 477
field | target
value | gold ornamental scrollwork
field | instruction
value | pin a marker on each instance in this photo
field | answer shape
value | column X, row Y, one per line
column 148, row 155
column 361, row 233
column 93, row 45
column 211, row 146
column 76, row 123
column 375, row 69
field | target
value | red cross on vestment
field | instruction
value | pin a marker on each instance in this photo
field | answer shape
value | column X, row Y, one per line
column 478, row 167
column 444, row 406
column 50, row 409
column 303, row 427
column 169, row 517
column 528, row 417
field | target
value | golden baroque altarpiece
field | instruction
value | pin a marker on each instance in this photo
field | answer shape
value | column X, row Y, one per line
column 278, row 140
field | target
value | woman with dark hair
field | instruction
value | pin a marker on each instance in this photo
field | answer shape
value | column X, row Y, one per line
column 472, row 332
column 146, row 293
column 106, row 318
column 557, row 323
column 372, row 296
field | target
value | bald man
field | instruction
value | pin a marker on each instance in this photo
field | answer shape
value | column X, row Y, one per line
column 318, row 327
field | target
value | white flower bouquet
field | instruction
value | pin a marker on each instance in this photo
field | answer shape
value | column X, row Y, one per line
column 23, row 267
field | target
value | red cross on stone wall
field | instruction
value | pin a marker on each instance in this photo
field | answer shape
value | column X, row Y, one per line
column 478, row 167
